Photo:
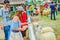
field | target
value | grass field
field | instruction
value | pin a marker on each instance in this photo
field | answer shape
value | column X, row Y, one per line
column 55, row 24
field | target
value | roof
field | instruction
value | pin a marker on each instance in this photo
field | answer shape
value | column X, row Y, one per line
column 17, row 2
column 14, row 1
column 1, row 1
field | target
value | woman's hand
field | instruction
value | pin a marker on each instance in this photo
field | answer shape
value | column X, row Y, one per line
column 23, row 28
column 28, row 23
column 25, row 23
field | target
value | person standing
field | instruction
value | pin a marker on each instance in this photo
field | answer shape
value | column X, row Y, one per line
column 52, row 6
column 56, row 8
column 5, row 19
column 16, row 27
column 24, row 19
column 41, row 9
column 36, row 12
column 27, row 10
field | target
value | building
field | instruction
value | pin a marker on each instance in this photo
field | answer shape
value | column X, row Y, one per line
column 14, row 1
column 1, row 1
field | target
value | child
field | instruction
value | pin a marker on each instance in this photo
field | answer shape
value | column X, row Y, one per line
column 36, row 11
column 15, row 28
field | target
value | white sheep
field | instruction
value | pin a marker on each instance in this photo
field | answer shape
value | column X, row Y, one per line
column 46, row 12
column 43, row 33
column 47, row 33
column 46, row 29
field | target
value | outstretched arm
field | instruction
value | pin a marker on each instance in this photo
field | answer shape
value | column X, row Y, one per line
column 16, row 29
column 25, row 23
column 19, row 29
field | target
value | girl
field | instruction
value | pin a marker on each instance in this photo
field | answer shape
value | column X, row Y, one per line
column 23, row 18
column 16, row 27
column 36, row 11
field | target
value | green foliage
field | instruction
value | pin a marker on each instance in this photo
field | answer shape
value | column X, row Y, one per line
column 11, row 14
column 58, row 0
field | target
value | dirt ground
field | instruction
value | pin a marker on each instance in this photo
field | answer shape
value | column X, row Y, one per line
column 58, row 37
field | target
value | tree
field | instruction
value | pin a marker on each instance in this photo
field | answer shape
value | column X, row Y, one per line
column 59, row 1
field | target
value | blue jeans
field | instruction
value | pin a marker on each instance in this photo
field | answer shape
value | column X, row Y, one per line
column 7, row 32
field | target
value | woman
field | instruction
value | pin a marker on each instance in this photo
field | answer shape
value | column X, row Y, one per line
column 23, row 18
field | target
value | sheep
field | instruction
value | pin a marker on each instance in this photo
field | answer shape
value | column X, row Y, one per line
column 35, row 18
column 1, row 30
column 37, row 29
column 47, row 33
column 43, row 33
column 1, row 34
column 47, row 29
column 46, row 12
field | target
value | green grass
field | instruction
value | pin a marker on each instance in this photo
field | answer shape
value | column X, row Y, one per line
column 1, row 39
column 55, row 24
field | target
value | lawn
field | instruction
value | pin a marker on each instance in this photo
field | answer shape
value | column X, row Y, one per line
column 45, row 21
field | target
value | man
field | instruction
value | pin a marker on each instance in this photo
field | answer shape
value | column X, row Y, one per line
column 52, row 6
column 56, row 8
column 5, row 19
column 27, row 10
column 41, row 9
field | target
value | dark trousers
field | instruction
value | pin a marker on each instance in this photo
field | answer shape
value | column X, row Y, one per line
column 53, row 15
column 7, row 32
column 56, row 12
column 31, row 12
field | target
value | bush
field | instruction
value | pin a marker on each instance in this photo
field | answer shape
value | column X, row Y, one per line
column 11, row 14
column 59, row 1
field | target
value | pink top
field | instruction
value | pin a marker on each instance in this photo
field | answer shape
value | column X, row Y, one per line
column 46, row 5
column 36, row 11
